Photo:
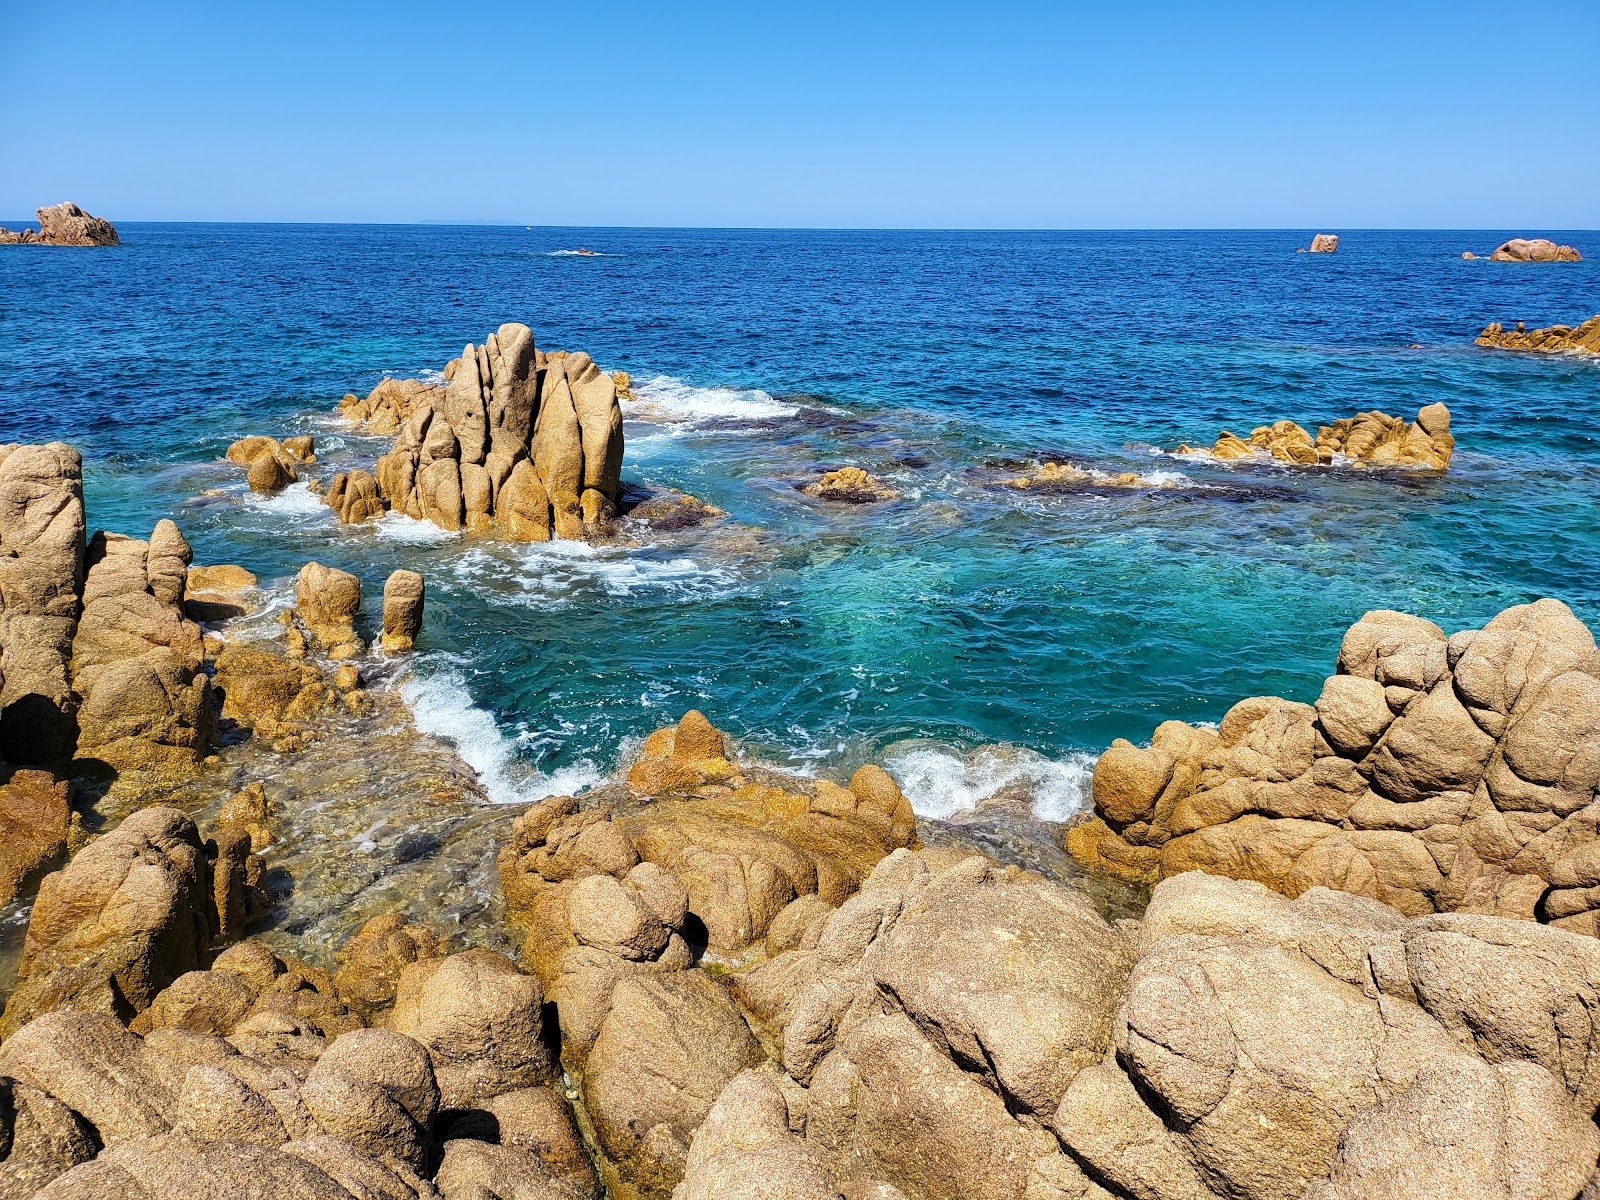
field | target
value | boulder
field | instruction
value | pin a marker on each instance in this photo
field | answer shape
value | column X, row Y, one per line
column 41, row 573
column 532, row 1121
column 375, row 957
column 35, row 814
column 129, row 914
column 745, row 1148
column 1368, row 439
column 1324, row 243
column 327, row 600
column 355, row 496
column 1533, row 250
column 403, row 595
column 1435, row 774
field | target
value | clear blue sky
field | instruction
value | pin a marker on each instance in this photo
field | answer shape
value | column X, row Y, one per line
column 989, row 115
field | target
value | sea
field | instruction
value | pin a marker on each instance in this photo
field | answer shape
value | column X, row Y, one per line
column 977, row 639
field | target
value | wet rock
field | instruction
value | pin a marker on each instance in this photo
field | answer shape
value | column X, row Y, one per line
column 403, row 595
column 664, row 510
column 1435, row 774
column 1065, row 477
column 64, row 225
column 41, row 573
column 1533, row 250
column 327, row 600
column 1553, row 339
column 850, row 485
column 264, row 690
column 1369, row 439
column 129, row 914
column 35, row 814
column 355, row 497
column 270, row 462
column 375, row 957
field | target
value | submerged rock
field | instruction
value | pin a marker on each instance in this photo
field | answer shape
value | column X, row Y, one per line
column 1369, row 439
column 1067, row 477
column 1553, row 339
column 1533, row 250
column 1434, row 773
column 850, row 485
column 64, row 225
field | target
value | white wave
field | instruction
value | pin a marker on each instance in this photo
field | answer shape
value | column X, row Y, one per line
column 579, row 254
column 442, row 706
column 941, row 781
column 667, row 400
column 542, row 573
column 397, row 527
column 296, row 500
column 1167, row 479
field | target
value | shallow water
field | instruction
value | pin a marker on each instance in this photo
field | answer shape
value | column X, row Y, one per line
column 930, row 631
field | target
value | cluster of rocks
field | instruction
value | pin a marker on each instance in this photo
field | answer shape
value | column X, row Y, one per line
column 63, row 225
column 1530, row 250
column 271, row 463
column 1553, row 339
column 1369, row 439
column 1433, row 773
column 850, row 485
column 517, row 440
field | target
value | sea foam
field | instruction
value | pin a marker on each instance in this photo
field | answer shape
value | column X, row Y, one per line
column 667, row 400
column 941, row 781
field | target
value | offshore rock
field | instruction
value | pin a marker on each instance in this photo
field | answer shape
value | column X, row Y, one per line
column 1067, row 477
column 1369, row 439
column 327, row 601
column 1434, row 773
column 1553, row 339
column 64, row 225
column 518, row 440
column 1324, row 243
column 850, row 485
column 271, row 463
column 403, row 596
column 355, row 497
column 1534, row 250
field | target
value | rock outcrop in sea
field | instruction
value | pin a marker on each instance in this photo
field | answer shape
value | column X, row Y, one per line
column 1434, row 773
column 850, row 485
column 1325, row 243
column 63, row 225
column 272, row 463
column 1552, row 339
column 1533, row 250
column 1369, row 439
column 519, row 441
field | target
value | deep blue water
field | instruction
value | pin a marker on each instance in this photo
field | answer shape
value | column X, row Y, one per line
column 960, row 617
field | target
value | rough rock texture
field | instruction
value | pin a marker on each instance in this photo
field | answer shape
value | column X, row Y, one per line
column 403, row 595
column 252, row 1079
column 64, row 225
column 327, row 601
column 1553, row 339
column 129, row 914
column 1067, row 477
column 1433, row 773
column 35, row 815
column 1369, row 439
column 1325, row 243
column 1534, row 250
column 137, row 659
column 355, row 497
column 850, row 485
column 41, row 575
column 518, row 441
column 271, row 463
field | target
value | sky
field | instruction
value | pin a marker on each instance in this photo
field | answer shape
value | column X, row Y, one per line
column 881, row 115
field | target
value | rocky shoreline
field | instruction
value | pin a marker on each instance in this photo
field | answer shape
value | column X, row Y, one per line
column 1282, row 955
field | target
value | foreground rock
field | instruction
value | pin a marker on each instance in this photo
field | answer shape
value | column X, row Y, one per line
column 35, row 815
column 1434, row 773
column 1370, row 439
column 517, row 440
column 1553, row 339
column 850, row 485
column 1534, row 250
column 63, row 225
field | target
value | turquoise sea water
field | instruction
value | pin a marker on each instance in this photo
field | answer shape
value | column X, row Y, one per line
column 964, row 616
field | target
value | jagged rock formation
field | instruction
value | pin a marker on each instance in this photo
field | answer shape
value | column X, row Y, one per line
column 520, row 441
column 1534, row 250
column 1369, row 439
column 63, row 225
column 1324, row 243
column 850, row 485
column 1434, row 773
column 1552, row 339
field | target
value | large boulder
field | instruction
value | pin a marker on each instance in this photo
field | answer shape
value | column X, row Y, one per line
column 126, row 917
column 1434, row 773
column 41, row 574
column 35, row 815
column 1368, row 439
column 403, row 595
column 64, row 225
column 1533, row 250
